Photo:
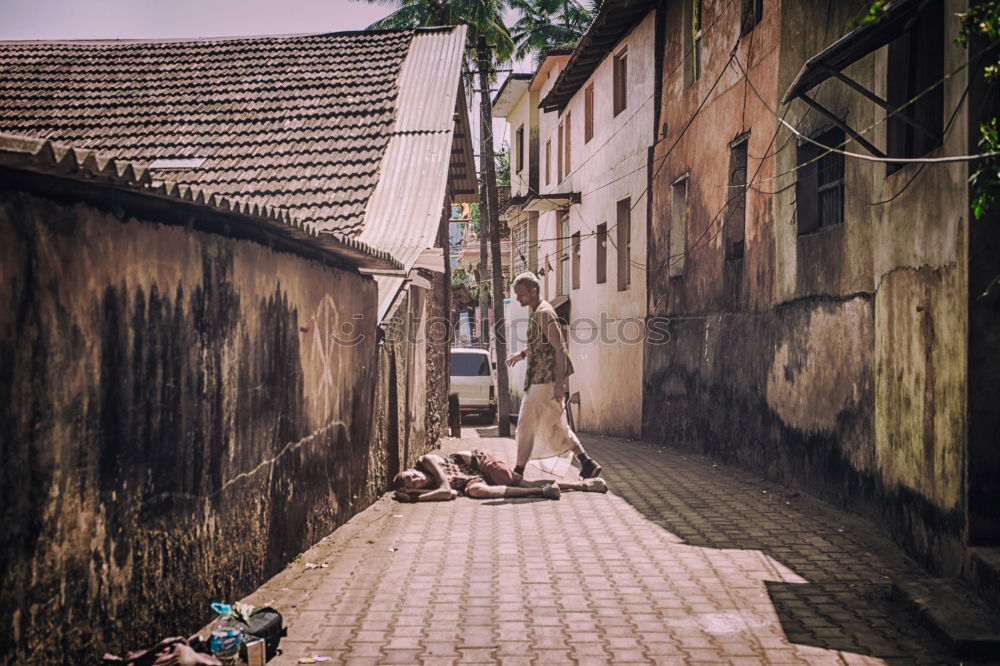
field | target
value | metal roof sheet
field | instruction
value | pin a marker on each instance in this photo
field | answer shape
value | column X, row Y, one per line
column 404, row 212
column 428, row 81
column 512, row 88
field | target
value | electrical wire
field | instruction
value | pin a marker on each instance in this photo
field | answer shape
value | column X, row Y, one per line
column 750, row 186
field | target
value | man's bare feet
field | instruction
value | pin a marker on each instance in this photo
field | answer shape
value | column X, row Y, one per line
column 551, row 491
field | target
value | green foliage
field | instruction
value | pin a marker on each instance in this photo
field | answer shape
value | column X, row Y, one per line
column 985, row 180
column 872, row 14
column 502, row 159
column 983, row 22
column 474, row 215
column 545, row 24
column 484, row 18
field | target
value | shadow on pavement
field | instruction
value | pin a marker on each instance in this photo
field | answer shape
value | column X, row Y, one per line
column 515, row 500
column 845, row 564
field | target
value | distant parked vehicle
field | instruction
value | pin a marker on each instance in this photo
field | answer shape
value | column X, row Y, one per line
column 472, row 380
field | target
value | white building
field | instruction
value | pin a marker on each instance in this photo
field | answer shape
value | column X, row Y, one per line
column 581, row 128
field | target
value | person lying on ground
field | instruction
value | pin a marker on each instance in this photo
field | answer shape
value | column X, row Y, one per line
column 476, row 474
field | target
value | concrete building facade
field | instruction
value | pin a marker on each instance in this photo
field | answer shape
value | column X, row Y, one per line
column 820, row 302
column 583, row 225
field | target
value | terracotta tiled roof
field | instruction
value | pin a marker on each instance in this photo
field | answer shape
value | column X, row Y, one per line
column 299, row 123
column 45, row 157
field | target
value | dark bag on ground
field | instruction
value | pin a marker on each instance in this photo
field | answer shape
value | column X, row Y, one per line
column 265, row 623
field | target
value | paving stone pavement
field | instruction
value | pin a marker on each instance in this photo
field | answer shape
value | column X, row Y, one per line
column 683, row 562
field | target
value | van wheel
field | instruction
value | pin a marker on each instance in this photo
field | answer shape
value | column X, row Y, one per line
column 491, row 416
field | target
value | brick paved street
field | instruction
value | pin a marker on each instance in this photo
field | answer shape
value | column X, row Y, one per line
column 682, row 562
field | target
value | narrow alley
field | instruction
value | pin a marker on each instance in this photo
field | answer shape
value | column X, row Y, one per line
column 682, row 562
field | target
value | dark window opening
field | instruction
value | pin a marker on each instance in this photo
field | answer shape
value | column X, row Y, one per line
column 916, row 62
column 624, row 224
column 620, row 81
column 566, row 161
column 588, row 113
column 520, row 148
column 602, row 253
column 753, row 10
column 692, row 42
column 678, row 227
column 559, row 154
column 548, row 161
column 736, row 204
column 819, row 188
column 563, row 277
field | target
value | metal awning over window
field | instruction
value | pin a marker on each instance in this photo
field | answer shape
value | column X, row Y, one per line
column 543, row 203
column 897, row 18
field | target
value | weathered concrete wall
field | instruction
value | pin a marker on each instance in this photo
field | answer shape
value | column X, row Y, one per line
column 755, row 389
column 438, row 340
column 839, row 362
column 178, row 421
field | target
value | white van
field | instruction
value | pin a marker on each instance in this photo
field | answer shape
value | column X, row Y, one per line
column 472, row 380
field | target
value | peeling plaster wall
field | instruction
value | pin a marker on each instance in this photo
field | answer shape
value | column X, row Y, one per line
column 438, row 337
column 179, row 420
column 839, row 363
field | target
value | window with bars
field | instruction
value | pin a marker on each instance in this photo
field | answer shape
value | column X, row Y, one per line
column 620, row 81
column 519, row 243
column 819, row 186
column 602, row 252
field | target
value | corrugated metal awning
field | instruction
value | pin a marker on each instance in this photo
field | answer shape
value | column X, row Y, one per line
column 895, row 20
column 404, row 213
column 543, row 203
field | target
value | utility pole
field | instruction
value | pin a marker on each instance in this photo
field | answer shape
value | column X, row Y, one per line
column 490, row 220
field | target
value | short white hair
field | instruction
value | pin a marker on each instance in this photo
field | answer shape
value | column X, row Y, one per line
column 528, row 279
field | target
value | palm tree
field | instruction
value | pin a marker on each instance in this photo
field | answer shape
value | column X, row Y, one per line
column 545, row 24
column 488, row 44
column 484, row 18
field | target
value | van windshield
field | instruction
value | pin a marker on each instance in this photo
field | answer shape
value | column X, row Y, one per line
column 469, row 365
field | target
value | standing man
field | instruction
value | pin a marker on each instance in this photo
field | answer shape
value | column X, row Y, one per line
column 542, row 428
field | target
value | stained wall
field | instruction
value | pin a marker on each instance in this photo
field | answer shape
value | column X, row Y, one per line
column 181, row 412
